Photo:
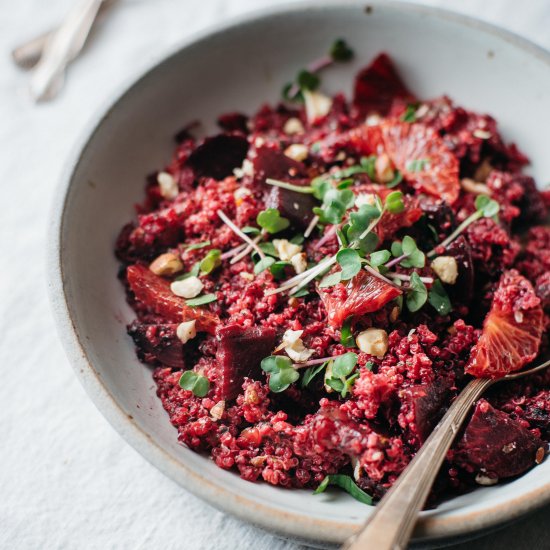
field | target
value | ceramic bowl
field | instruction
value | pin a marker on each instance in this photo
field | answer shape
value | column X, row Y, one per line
column 237, row 66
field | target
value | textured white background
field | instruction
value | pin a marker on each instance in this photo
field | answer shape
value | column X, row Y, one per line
column 67, row 480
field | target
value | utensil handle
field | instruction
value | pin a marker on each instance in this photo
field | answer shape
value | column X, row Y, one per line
column 391, row 525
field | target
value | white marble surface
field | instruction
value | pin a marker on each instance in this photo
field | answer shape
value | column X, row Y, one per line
column 67, row 480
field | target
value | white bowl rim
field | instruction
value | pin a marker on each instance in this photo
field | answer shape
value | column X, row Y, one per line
column 294, row 525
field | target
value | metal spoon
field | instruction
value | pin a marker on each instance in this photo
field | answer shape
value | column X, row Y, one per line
column 391, row 525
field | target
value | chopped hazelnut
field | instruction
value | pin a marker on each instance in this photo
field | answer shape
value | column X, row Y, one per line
column 166, row 264
column 297, row 152
column 373, row 341
column 317, row 105
column 383, row 169
column 240, row 193
column 446, row 269
column 167, row 185
column 216, row 412
column 294, row 347
column 482, row 479
column 299, row 262
column 365, row 198
column 186, row 331
column 285, row 249
column 394, row 314
column 293, row 126
column 539, row 457
column 373, row 120
column 187, row 288
column 474, row 187
column 247, row 276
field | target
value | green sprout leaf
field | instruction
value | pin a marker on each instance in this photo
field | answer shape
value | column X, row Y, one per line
column 268, row 248
column 347, row 484
column 281, row 372
column 311, row 373
column 272, row 221
column 438, row 298
column 263, row 264
column 196, row 246
column 340, row 51
column 194, row 382
column 417, row 294
column 379, row 258
column 397, row 179
column 201, row 300
column 394, row 202
column 487, row 206
column 344, row 364
column 410, row 113
column 195, row 270
column 278, row 269
column 350, row 261
column 346, row 335
column 415, row 257
column 211, row 261
column 249, row 230
column 307, row 80
column 331, row 279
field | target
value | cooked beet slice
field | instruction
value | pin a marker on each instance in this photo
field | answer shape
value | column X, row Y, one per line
column 217, row 156
column 496, row 445
column 377, row 86
column 272, row 163
column 296, row 207
column 427, row 405
column 233, row 122
column 158, row 342
column 240, row 352
column 463, row 289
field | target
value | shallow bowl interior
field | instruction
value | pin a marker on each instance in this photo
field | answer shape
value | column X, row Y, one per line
column 237, row 68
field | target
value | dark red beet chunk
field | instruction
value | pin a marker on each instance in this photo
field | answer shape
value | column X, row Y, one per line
column 272, row 163
column 427, row 404
column 296, row 207
column 239, row 354
column 496, row 445
column 377, row 86
column 233, row 122
column 158, row 342
column 217, row 156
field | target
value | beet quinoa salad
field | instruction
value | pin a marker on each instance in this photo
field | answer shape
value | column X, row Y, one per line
column 315, row 284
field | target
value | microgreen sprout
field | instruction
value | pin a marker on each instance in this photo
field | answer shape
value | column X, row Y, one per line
column 438, row 298
column 417, row 293
column 196, row 246
column 281, row 372
column 307, row 78
column 195, row 383
column 201, row 300
column 485, row 208
column 417, row 165
column 211, row 261
column 340, row 376
column 410, row 113
column 272, row 221
column 346, row 483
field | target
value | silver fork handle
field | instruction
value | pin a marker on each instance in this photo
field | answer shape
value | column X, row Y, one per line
column 391, row 525
column 61, row 47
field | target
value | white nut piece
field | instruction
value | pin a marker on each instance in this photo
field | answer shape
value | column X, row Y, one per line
column 482, row 479
column 373, row 120
column 166, row 264
column 373, row 341
column 285, row 249
column 383, row 169
column 446, row 269
column 294, row 347
column 216, row 412
column 293, row 126
column 297, row 152
column 317, row 105
column 186, row 331
column 474, row 187
column 167, row 185
column 187, row 288
column 240, row 193
column 299, row 262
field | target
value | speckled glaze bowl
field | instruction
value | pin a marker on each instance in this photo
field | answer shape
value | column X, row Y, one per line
column 236, row 67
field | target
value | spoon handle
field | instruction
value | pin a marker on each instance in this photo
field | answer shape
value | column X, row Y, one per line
column 391, row 525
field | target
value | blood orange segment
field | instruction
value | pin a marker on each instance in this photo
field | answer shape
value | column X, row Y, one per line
column 362, row 294
column 423, row 159
column 155, row 294
column 512, row 330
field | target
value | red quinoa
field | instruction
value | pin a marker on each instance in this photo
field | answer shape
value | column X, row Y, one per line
column 297, row 436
